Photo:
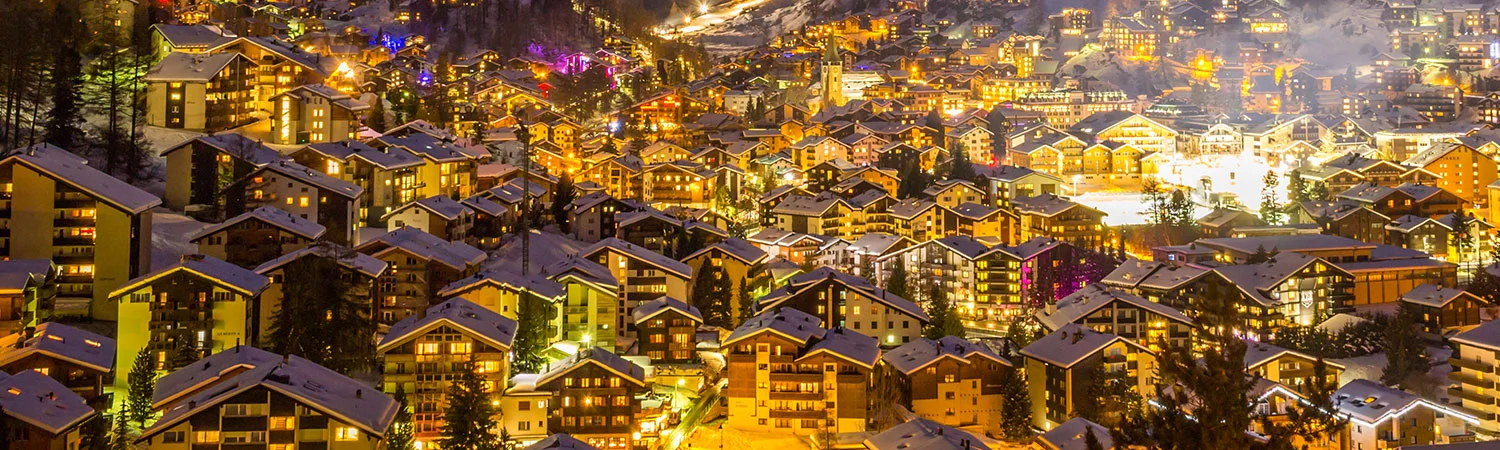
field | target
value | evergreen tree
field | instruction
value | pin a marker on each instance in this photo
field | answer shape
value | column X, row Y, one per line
column 1318, row 190
column 1270, row 206
column 1260, row 255
column 470, row 417
column 685, row 243
column 142, row 388
column 960, row 168
column 895, row 284
column 324, row 316
column 113, row 88
column 934, row 121
column 712, row 296
column 94, row 434
column 999, row 127
column 64, row 125
column 1090, row 442
column 1213, row 388
column 1015, row 408
column 184, row 353
column 945, row 320
column 119, row 438
column 377, row 122
column 533, row 327
column 1296, row 187
column 562, row 196
column 747, row 304
column 1461, row 237
column 1114, row 398
column 401, row 436
column 1405, row 354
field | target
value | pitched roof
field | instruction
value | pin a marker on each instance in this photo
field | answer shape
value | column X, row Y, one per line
column 736, row 248
column 508, row 278
column 208, row 371
column 915, row 355
column 923, row 434
column 73, row 170
column 1258, row 280
column 456, row 255
column 1436, row 296
column 641, row 254
column 368, row 265
column 42, row 402
column 1260, row 353
column 16, row 274
column 599, row 357
column 1091, row 298
column 278, row 218
column 648, row 309
column 790, row 323
column 384, row 158
column 1070, row 344
column 61, row 341
column 228, row 275
column 316, row 178
column 440, row 205
column 235, row 145
column 848, row 345
column 314, row 386
column 560, row 441
column 1072, row 435
column 1371, row 403
column 178, row 66
column 797, row 284
column 459, row 313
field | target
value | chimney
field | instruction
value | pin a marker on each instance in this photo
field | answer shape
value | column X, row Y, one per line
column 1077, row 336
column 359, row 393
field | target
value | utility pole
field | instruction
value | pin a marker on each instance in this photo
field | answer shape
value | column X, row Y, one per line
column 525, row 136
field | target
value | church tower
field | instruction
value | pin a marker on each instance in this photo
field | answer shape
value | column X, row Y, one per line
column 833, row 75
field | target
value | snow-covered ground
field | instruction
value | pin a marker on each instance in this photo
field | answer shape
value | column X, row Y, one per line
column 169, row 233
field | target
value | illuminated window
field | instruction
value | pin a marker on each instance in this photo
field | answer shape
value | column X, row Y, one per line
column 206, row 436
column 283, row 423
column 346, row 434
column 427, row 349
column 459, row 348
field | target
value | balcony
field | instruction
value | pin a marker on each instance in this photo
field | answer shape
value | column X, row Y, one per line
column 1470, row 396
column 1471, row 365
column 1471, row 379
column 794, row 395
column 803, row 414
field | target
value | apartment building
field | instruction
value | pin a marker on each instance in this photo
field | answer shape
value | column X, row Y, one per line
column 420, row 265
column 789, row 375
column 742, row 261
column 1476, row 355
column 500, row 289
column 986, row 282
column 589, row 313
column 1290, row 368
column 437, row 215
column 199, row 170
column 256, row 236
column 301, row 191
column 387, row 174
column 1110, row 310
column 200, row 92
column 1386, row 417
column 1459, row 168
column 201, row 299
column 666, row 330
column 838, row 299
column 423, row 355
column 950, row 381
column 314, row 113
column 43, row 413
column 284, row 405
column 595, row 398
column 447, row 169
column 1061, row 366
column 642, row 275
column 358, row 270
column 1048, row 215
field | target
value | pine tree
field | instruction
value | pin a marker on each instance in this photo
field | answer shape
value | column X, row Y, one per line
column 533, row 328
column 746, row 305
column 895, row 284
column 95, row 434
column 1212, row 387
column 711, row 295
column 1015, row 409
column 142, row 388
column 1090, row 442
column 323, row 316
column 401, row 436
column 960, row 168
column 377, row 122
column 1270, row 205
column 64, row 125
column 184, row 353
column 1114, row 398
column 944, row 316
column 934, row 121
column 469, row 417
column 1461, row 237
column 562, row 196
column 1405, row 354
column 1260, row 256
column 119, row 437
column 1296, row 187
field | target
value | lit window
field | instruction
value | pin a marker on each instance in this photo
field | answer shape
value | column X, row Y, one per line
column 427, row 349
column 206, row 436
column 346, row 434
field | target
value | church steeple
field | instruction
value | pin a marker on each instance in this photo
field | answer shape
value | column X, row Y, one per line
column 833, row 74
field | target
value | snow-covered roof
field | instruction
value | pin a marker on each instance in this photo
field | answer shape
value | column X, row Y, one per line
column 315, row 178
column 1257, row 281
column 1260, row 353
column 1072, row 435
column 208, row 371
column 458, row 313
column 368, row 265
column 507, row 278
column 646, row 310
column 440, row 205
column 74, row 171
column 1091, row 298
column 331, row 95
column 60, row 341
column 734, row 247
column 1371, row 403
column 386, row 158
column 599, row 357
column 311, row 385
column 923, row 434
column 641, row 254
column 235, row 145
column 787, row 322
column 16, row 274
column 1070, row 344
column 275, row 217
column 915, row 355
column 560, row 441
column 196, row 36
column 456, row 255
column 202, row 67
column 1486, row 335
column 227, row 275
column 42, row 402
column 1436, row 296
column 428, row 146
column 803, row 282
column 851, row 346
column 484, row 205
